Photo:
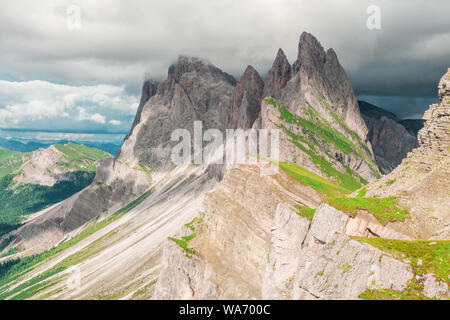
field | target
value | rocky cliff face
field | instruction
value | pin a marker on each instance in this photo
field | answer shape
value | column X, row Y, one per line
column 435, row 134
column 283, row 255
column 390, row 137
column 148, row 90
column 319, row 75
column 278, row 76
column 247, row 100
column 316, row 102
column 194, row 90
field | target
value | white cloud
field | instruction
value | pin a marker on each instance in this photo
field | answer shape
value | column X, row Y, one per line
column 115, row 122
column 22, row 103
column 84, row 115
column 120, row 41
column 61, row 136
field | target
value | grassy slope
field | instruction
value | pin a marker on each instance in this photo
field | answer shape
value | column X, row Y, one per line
column 305, row 212
column 313, row 180
column 384, row 209
column 434, row 255
column 10, row 161
column 320, row 129
column 184, row 241
column 79, row 157
column 6, row 154
column 423, row 257
column 12, row 271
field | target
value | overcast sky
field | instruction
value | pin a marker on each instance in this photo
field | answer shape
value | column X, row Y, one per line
column 58, row 77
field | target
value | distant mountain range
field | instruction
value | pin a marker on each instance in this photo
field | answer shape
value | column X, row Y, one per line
column 29, row 146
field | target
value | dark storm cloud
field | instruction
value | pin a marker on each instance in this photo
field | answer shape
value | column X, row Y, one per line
column 122, row 42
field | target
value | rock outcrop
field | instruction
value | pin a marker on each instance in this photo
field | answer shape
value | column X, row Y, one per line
column 435, row 135
column 290, row 258
column 195, row 90
column 333, row 266
column 391, row 140
column 421, row 181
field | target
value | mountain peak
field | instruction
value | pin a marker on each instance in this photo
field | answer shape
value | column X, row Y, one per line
column 249, row 72
column 187, row 64
column 281, row 54
column 278, row 76
column 247, row 99
column 310, row 51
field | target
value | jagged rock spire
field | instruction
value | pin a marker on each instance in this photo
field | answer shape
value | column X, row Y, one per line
column 319, row 73
column 247, row 99
column 310, row 53
column 149, row 89
column 278, row 76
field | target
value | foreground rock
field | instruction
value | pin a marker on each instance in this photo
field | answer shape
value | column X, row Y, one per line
column 298, row 259
column 421, row 181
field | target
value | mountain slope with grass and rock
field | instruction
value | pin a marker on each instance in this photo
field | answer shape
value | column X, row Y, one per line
column 317, row 225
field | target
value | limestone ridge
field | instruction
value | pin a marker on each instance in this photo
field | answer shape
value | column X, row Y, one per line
column 195, row 90
column 391, row 138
